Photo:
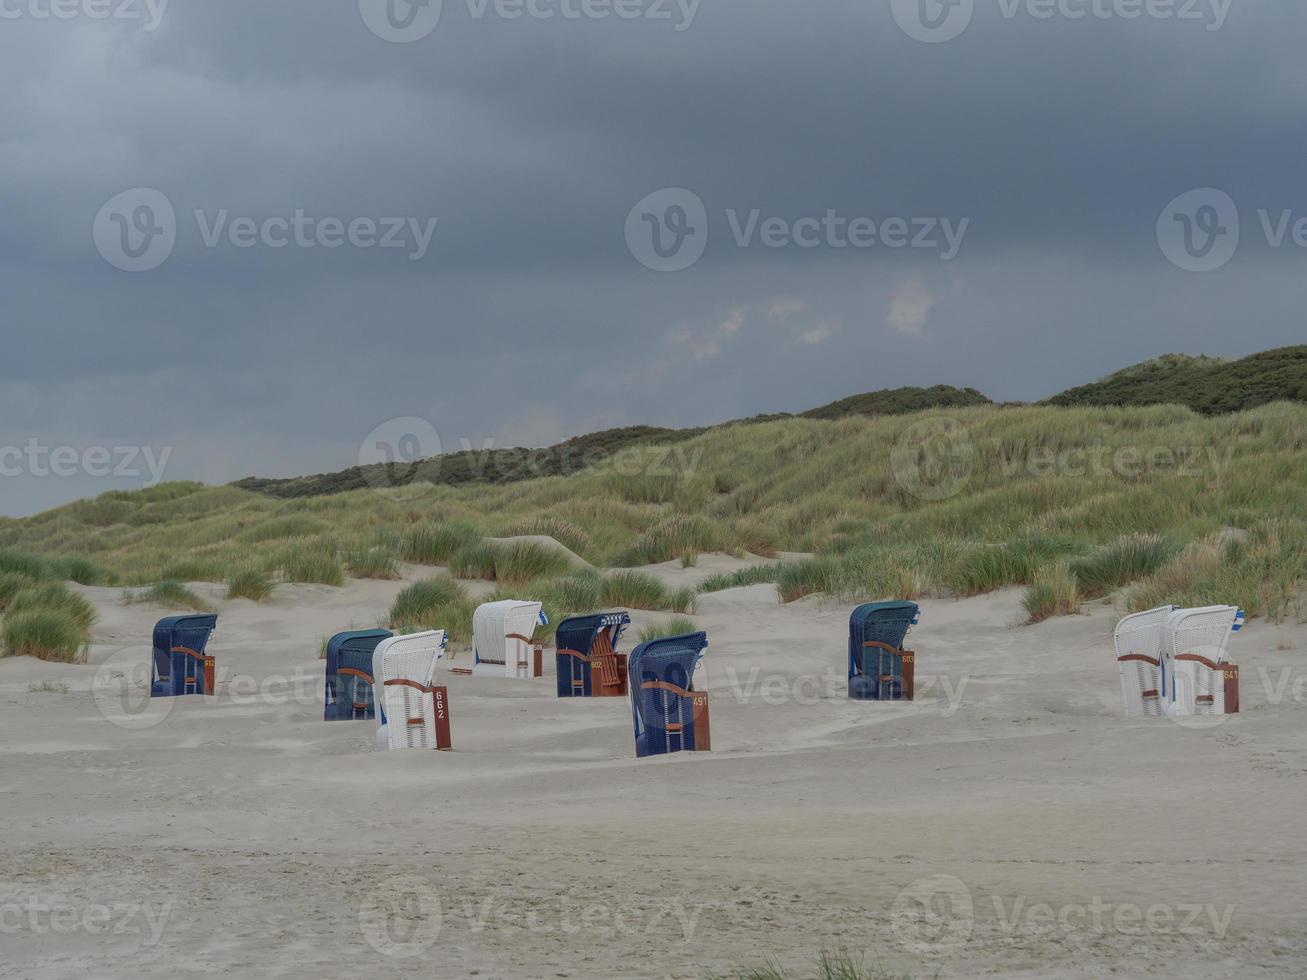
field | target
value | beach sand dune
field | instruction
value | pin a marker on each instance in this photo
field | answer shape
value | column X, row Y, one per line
column 1010, row 822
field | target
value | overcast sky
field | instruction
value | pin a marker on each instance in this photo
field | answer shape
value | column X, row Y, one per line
column 492, row 222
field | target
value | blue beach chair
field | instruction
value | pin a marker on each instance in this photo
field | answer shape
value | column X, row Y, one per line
column 588, row 663
column 349, row 675
column 669, row 715
column 180, row 664
column 879, row 668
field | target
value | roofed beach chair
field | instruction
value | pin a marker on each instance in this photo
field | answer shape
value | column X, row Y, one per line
column 1143, row 664
column 411, row 712
column 349, row 674
column 589, row 665
column 669, row 714
column 1205, row 682
column 503, row 639
column 180, row 664
column 879, row 668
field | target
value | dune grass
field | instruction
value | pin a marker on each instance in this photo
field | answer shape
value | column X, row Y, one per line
column 840, row 965
column 1054, row 592
column 172, row 595
column 676, row 626
column 436, row 603
column 250, row 583
column 753, row 575
column 373, row 563
column 47, row 634
column 1096, row 489
column 53, row 597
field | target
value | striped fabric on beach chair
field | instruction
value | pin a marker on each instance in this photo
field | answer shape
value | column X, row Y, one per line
column 1143, row 664
column 349, row 675
column 1194, row 640
column 180, row 664
column 879, row 668
column 669, row 714
column 411, row 712
column 588, row 663
column 503, row 639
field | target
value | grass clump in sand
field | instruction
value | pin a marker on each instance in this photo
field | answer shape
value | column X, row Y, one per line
column 436, row 603
column 173, row 595
column 676, row 626
column 1054, row 592
column 250, row 583
column 840, row 965
column 754, row 575
column 47, row 634
column 312, row 565
column 1126, row 560
column 373, row 563
column 435, row 543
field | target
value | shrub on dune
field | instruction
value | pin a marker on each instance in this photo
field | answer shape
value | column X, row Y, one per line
column 47, row 634
column 676, row 626
column 22, row 563
column 54, row 597
column 83, row 571
column 634, row 590
column 435, row 543
column 1125, row 560
column 436, row 603
column 374, row 563
column 172, row 595
column 250, row 583
column 312, row 566
column 1054, row 592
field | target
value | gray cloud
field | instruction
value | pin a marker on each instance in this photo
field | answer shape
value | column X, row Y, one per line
column 530, row 141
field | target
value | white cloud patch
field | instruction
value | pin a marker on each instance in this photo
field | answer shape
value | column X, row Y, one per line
column 910, row 307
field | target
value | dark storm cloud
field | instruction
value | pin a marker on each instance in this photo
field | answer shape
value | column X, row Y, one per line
column 1059, row 140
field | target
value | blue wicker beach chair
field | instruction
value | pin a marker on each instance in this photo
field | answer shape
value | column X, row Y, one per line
column 669, row 715
column 349, row 675
column 180, row 663
column 879, row 668
column 589, row 665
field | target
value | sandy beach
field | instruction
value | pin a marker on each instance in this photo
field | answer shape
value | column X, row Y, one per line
column 1010, row 822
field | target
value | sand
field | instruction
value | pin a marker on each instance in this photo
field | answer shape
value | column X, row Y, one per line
column 1011, row 822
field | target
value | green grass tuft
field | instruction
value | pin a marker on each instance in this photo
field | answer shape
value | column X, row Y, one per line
column 250, row 583
column 47, row 634
column 1054, row 592
column 172, row 595
column 676, row 626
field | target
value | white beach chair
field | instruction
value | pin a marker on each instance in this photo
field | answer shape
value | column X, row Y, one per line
column 1194, row 645
column 411, row 714
column 1141, row 660
column 502, row 639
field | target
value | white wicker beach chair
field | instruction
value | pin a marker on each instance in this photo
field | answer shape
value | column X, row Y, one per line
column 1194, row 644
column 1145, row 675
column 503, row 639
column 411, row 713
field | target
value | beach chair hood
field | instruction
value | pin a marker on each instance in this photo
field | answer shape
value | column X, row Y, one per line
column 349, row 674
column 661, row 676
column 179, row 644
column 503, row 636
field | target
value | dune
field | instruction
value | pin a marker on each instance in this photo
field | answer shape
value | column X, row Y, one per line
column 1046, row 835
